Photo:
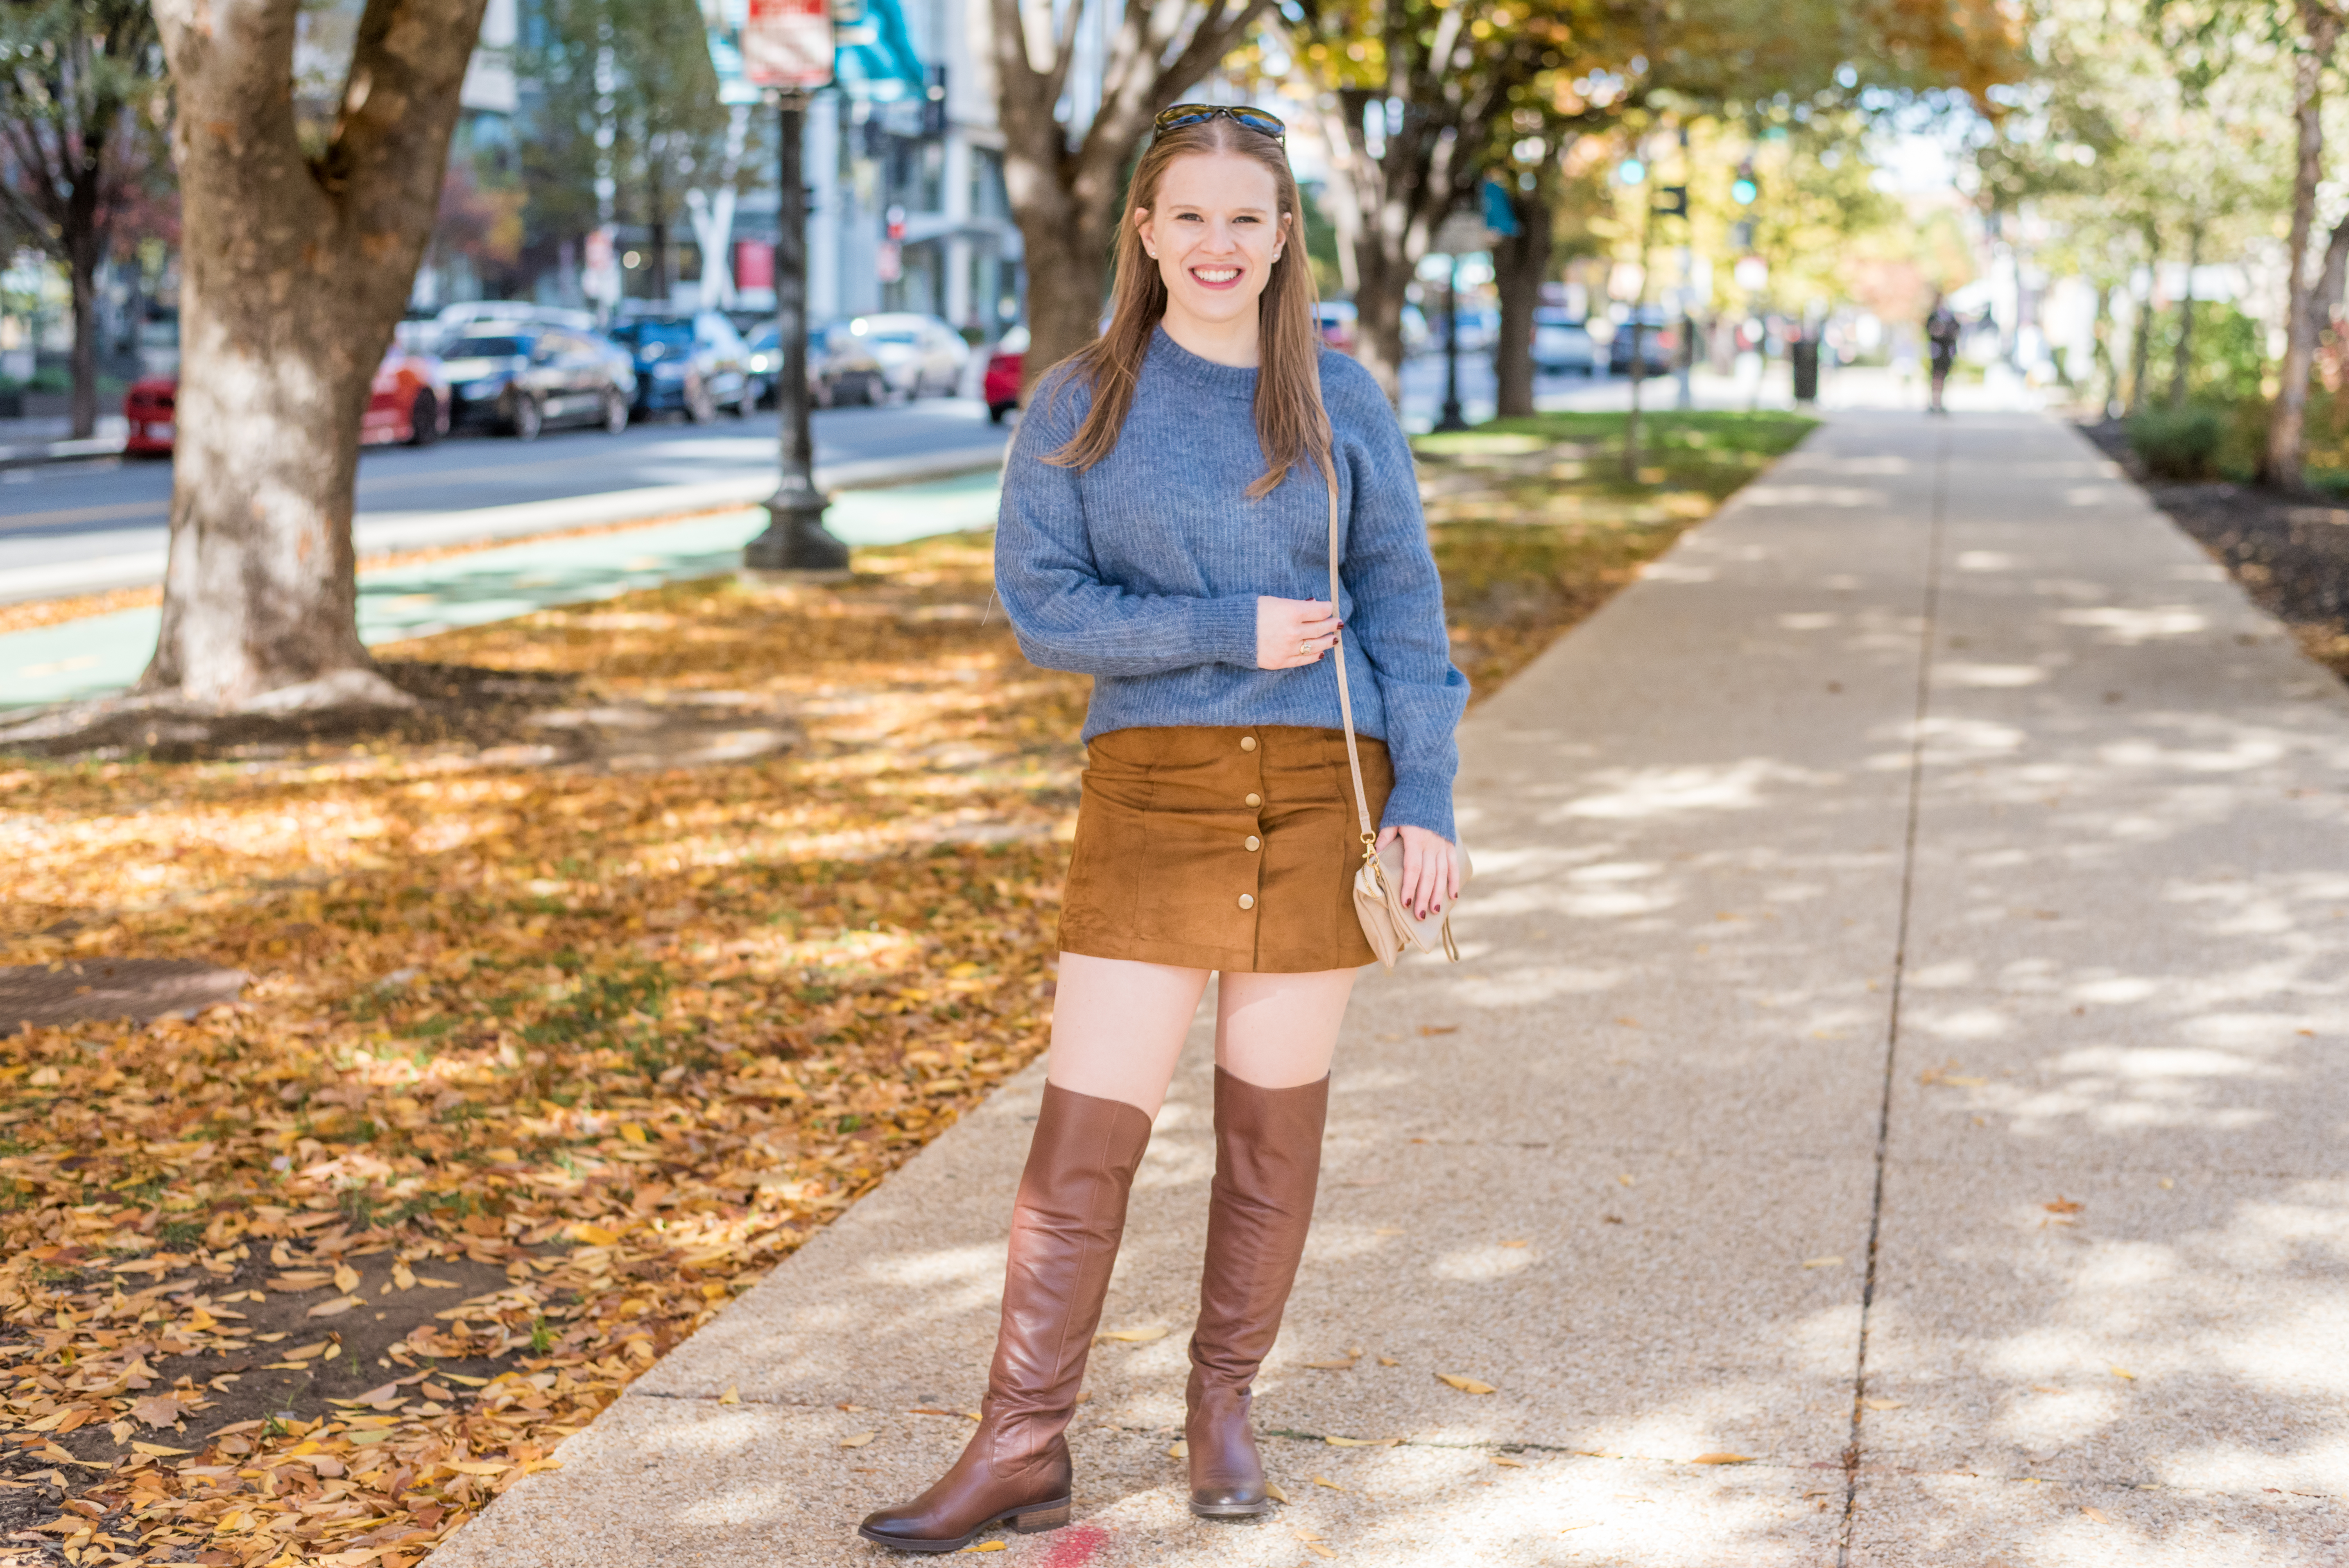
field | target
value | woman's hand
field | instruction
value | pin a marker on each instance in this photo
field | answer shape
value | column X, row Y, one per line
column 1431, row 872
column 1293, row 632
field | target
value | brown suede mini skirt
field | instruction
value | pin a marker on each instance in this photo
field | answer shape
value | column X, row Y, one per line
column 1221, row 847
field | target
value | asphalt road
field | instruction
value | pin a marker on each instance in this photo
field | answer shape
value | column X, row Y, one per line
column 69, row 528
column 75, row 528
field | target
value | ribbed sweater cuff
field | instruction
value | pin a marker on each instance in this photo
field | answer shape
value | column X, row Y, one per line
column 1421, row 802
column 1227, row 629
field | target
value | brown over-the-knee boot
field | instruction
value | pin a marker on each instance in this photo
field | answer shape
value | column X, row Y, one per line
column 1268, row 1164
column 1065, row 1229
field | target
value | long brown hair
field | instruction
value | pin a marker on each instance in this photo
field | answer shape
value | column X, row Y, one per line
column 1291, row 425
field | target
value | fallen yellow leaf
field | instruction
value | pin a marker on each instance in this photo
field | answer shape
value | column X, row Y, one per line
column 857, row 1440
column 989, row 1546
column 2097, row 1514
column 480, row 1467
column 1835, row 1261
column 1389, row 1361
column 594, row 1235
column 1464, row 1384
column 1722, row 1459
column 1517, row 1244
column 159, row 1451
column 1362, row 1442
column 633, row 1132
column 346, row 1278
column 1134, row 1336
column 2125, row 1374
column 1342, row 1364
column 1505, row 1459
column 333, row 1306
column 308, row 1351
column 733, row 1395
column 1624, row 1178
column 1178, row 1449
column 1882, row 1404
column 1274, row 1492
column 1325, row 1481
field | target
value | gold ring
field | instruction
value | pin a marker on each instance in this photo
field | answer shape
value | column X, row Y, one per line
column 1304, row 646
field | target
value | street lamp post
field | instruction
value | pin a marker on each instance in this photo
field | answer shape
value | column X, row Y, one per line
column 795, row 539
column 1453, row 420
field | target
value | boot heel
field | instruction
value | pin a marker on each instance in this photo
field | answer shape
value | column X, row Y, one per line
column 1041, row 1519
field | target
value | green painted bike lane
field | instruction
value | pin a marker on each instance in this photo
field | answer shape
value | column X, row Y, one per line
column 103, row 654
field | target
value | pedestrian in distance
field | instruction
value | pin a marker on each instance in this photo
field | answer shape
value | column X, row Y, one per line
column 1166, row 522
column 1942, row 343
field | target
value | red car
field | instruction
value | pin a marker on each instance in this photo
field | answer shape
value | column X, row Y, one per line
column 1001, row 389
column 409, row 403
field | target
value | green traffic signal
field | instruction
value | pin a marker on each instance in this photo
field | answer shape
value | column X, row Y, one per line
column 1745, row 191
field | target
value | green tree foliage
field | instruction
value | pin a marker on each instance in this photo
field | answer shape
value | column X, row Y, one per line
column 630, row 95
column 81, row 102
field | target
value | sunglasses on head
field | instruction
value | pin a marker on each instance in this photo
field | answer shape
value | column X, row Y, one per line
column 1255, row 119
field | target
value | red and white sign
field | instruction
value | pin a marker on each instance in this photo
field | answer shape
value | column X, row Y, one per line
column 788, row 43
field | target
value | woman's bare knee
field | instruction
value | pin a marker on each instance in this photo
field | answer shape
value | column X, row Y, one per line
column 1278, row 1031
column 1118, row 1026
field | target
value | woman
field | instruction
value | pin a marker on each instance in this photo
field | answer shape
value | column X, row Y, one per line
column 1164, row 529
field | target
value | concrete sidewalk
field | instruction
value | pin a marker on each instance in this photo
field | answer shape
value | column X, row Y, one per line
column 1910, row 939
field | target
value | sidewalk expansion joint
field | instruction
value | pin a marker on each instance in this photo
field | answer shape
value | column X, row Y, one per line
column 1929, row 618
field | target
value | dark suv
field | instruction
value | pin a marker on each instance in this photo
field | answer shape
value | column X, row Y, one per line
column 520, row 378
column 695, row 363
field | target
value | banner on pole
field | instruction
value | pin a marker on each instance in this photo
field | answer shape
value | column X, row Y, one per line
column 788, row 43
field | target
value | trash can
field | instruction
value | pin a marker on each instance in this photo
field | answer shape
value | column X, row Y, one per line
column 1804, row 353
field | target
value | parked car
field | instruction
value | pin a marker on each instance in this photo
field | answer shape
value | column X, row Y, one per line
column 919, row 354
column 695, row 363
column 521, row 378
column 1659, row 342
column 1006, row 364
column 1563, row 343
column 764, row 345
column 409, row 403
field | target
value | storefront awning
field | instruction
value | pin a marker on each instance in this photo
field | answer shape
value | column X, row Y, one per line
column 873, row 59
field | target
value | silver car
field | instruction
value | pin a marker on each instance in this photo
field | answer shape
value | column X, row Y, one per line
column 1563, row 343
column 918, row 355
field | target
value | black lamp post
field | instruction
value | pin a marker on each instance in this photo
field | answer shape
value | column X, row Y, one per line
column 795, row 539
column 1453, row 420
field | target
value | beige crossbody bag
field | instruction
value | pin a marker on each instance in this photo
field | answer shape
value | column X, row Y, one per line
column 1378, row 880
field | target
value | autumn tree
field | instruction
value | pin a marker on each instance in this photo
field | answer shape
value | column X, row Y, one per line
column 298, row 254
column 1066, row 181
column 628, row 94
column 1424, row 97
column 81, row 105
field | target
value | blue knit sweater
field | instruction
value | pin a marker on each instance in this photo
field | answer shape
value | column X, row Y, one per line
column 1143, row 571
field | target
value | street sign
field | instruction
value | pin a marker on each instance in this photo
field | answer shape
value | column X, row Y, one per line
column 788, row 43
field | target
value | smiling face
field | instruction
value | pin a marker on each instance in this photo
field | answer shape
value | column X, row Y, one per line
column 1215, row 231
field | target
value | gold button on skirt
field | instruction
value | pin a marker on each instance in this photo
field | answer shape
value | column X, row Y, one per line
column 1214, row 847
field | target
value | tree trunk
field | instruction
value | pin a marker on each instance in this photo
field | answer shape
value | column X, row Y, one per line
column 1520, row 266
column 2279, row 463
column 2182, row 361
column 657, row 273
column 81, row 269
column 2141, row 334
column 294, row 270
column 1067, row 256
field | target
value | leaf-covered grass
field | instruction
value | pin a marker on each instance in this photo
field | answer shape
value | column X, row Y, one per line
column 540, row 1065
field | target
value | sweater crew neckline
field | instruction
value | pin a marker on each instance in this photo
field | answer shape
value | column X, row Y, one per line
column 1171, row 357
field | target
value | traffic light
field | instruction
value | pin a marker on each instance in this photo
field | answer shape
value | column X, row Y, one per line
column 1672, row 203
column 1745, row 189
column 1630, row 172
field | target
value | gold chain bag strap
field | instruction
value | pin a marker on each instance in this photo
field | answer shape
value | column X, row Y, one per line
column 1378, row 899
